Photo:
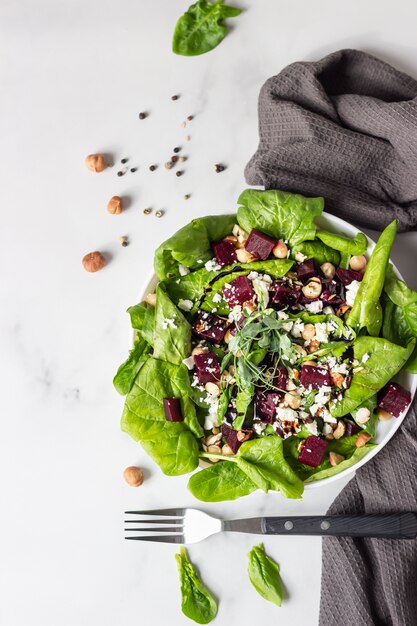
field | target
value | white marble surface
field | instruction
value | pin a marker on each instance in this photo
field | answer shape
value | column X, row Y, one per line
column 73, row 76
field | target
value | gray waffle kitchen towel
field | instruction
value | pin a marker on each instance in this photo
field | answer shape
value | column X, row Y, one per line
column 367, row 582
column 344, row 128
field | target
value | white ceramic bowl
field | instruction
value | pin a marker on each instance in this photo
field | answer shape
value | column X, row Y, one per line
column 385, row 430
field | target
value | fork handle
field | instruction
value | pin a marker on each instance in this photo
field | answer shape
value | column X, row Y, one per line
column 385, row 525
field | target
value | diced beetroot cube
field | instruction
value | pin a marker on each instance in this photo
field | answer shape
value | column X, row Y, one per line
column 224, row 252
column 281, row 375
column 210, row 327
column 207, row 368
column 306, row 270
column 266, row 403
column 394, row 399
column 313, row 451
column 333, row 293
column 238, row 291
column 283, row 295
column 232, row 437
column 172, row 409
column 259, row 244
column 351, row 428
column 315, row 376
column 347, row 276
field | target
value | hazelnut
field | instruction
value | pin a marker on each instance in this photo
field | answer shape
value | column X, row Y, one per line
column 300, row 350
column 314, row 345
column 296, row 373
column 339, row 430
column 212, row 389
column 212, row 440
column 362, row 439
column 280, row 250
column 342, row 310
column 214, row 450
column 232, row 239
column 384, row 416
column 358, row 263
column 228, row 336
column 199, row 350
column 133, row 476
column 151, row 299
column 93, row 261
column 243, row 256
column 309, row 363
column 335, row 458
column 293, row 400
column 312, row 289
column 115, row 205
column 290, row 385
column 241, row 234
column 96, row 162
column 242, row 436
column 328, row 270
column 309, row 332
column 337, row 379
column 249, row 306
column 226, row 449
column 363, row 415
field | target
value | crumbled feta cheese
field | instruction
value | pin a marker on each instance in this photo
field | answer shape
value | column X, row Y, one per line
column 351, row 291
column 327, row 429
column 340, row 368
column 312, row 428
column 189, row 362
column 287, row 415
column 315, row 307
column 322, row 332
column 235, row 313
column 262, row 290
column 266, row 278
column 297, row 328
column 217, row 298
column 212, row 265
column 365, row 357
column 282, row 315
column 253, row 275
column 211, row 418
column 259, row 427
column 183, row 270
column 328, row 418
column 199, row 261
column 328, row 310
column 169, row 322
column 300, row 257
column 185, row 305
column 288, row 326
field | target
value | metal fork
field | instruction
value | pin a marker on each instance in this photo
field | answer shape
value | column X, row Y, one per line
column 191, row 525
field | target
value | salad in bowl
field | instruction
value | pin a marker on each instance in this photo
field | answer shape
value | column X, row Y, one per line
column 267, row 351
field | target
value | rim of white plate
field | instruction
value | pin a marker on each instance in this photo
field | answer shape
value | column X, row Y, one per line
column 386, row 430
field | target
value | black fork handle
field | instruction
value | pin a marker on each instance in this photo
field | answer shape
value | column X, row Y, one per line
column 385, row 525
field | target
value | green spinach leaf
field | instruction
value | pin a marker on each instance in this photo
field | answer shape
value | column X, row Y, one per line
column 142, row 319
column 127, row 372
column 318, row 251
column 172, row 331
column 264, row 575
column 280, row 214
column 201, row 28
column 197, row 602
column 222, row 481
column 356, row 246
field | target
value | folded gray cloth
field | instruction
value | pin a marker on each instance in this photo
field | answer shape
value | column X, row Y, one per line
column 367, row 582
column 344, row 128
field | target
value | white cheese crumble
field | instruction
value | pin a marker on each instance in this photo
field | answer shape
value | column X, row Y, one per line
column 183, row 270
column 322, row 332
column 261, row 289
column 315, row 307
column 189, row 362
column 288, row 326
column 259, row 427
column 211, row 418
column 287, row 415
column 282, row 315
column 300, row 257
column 253, row 275
column 312, row 428
column 212, row 265
column 169, row 321
column 297, row 328
column 351, row 291
column 235, row 313
column 185, row 305
column 365, row 357
column 217, row 298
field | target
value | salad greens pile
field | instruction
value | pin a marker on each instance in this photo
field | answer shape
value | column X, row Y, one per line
column 268, row 350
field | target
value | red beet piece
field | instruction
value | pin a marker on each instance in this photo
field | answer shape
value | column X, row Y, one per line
column 306, row 270
column 266, row 403
column 283, row 295
column 347, row 276
column 238, row 291
column 207, row 368
column 172, row 409
column 224, row 252
column 394, row 399
column 230, row 434
column 333, row 293
column 281, row 376
column 210, row 327
column 315, row 376
column 313, row 451
column 259, row 244
column 351, row 428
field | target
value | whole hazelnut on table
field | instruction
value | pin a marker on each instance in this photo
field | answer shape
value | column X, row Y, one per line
column 96, row 162
column 93, row 261
column 133, row 476
column 115, row 205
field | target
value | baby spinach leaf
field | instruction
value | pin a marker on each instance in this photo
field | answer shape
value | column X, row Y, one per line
column 201, row 28
column 264, row 575
column 371, row 425
column 172, row 331
column 280, row 214
column 318, row 251
column 366, row 311
column 127, row 372
column 142, row 319
column 400, row 315
column 385, row 360
column 197, row 602
column 329, row 470
column 395, row 327
column 356, row 246
column 222, row 481
column 172, row 445
column 190, row 246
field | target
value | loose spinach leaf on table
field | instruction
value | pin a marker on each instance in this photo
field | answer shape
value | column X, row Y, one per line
column 173, row 445
column 367, row 311
column 385, row 360
column 172, row 331
column 142, row 319
column 127, row 372
column 222, row 481
column 197, row 602
column 190, row 246
column 201, row 28
column 318, row 251
column 356, row 246
column 281, row 214
column 264, row 575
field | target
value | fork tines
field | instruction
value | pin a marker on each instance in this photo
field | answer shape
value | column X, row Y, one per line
column 169, row 529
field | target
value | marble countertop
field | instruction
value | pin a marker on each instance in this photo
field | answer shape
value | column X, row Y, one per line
column 74, row 76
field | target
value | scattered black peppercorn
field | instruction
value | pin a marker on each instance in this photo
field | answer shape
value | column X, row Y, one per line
column 187, row 196
column 125, row 243
column 142, row 115
column 120, row 173
column 219, row 168
column 176, row 150
column 124, row 161
column 133, row 169
column 153, row 167
column 174, row 97
column 190, row 117
column 179, row 173
column 174, row 158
